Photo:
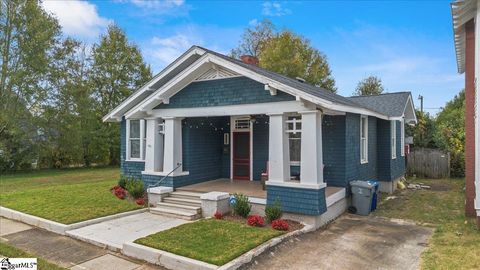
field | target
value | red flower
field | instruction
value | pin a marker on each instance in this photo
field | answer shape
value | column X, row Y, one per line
column 140, row 201
column 280, row 224
column 255, row 220
column 119, row 192
column 218, row 215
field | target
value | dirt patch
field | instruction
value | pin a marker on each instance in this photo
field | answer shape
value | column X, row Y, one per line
column 440, row 187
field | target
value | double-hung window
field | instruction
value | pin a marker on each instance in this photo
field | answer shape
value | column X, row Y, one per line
column 136, row 139
column 363, row 139
column 294, row 128
column 393, row 130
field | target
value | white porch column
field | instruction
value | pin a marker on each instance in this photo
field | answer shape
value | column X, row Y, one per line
column 311, row 160
column 173, row 145
column 154, row 147
column 278, row 150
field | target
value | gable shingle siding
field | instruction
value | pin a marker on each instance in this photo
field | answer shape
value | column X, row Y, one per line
column 222, row 92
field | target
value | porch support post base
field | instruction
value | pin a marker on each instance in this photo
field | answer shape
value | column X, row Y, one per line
column 156, row 194
column 213, row 202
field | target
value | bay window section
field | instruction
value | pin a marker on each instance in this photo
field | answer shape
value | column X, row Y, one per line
column 363, row 139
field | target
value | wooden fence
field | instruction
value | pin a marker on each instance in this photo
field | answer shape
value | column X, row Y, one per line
column 430, row 163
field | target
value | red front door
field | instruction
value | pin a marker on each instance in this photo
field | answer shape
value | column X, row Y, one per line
column 241, row 155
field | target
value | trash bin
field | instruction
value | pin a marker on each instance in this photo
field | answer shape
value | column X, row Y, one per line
column 363, row 192
column 375, row 194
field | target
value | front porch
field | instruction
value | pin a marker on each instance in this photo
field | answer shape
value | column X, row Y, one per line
column 253, row 189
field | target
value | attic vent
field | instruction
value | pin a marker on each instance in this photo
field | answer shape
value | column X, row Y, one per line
column 216, row 73
column 302, row 80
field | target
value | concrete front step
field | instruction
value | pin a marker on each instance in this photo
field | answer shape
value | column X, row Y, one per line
column 198, row 209
column 186, row 194
column 177, row 213
column 183, row 201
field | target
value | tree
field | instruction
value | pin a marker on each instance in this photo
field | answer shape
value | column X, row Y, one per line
column 293, row 56
column 28, row 40
column 117, row 70
column 423, row 131
column 450, row 133
column 253, row 39
column 372, row 85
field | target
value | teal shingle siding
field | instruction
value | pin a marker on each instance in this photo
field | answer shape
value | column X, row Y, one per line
column 298, row 200
column 260, row 145
column 341, row 150
column 231, row 91
column 203, row 151
column 389, row 169
column 333, row 137
column 397, row 168
column 354, row 170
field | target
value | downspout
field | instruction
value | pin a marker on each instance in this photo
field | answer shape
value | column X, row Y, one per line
column 477, row 112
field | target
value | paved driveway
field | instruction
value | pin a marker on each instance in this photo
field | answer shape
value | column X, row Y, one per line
column 351, row 242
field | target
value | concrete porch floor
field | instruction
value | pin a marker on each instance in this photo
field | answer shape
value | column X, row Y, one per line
column 249, row 188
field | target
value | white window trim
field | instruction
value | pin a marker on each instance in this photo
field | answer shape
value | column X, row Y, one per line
column 393, row 138
column 142, row 134
column 364, row 160
column 402, row 138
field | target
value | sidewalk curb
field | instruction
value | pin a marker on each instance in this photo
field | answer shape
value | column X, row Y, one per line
column 57, row 227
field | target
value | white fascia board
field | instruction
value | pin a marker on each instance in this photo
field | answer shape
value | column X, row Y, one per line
column 234, row 110
column 165, row 91
column 112, row 115
column 183, row 79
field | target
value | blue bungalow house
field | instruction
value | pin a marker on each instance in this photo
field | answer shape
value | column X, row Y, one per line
column 209, row 125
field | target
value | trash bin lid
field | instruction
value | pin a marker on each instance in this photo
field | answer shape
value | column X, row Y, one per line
column 373, row 182
column 363, row 184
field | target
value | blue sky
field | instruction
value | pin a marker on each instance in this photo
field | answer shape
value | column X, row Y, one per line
column 408, row 44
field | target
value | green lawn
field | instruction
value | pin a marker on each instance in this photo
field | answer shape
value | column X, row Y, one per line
column 13, row 252
column 212, row 241
column 65, row 196
column 456, row 241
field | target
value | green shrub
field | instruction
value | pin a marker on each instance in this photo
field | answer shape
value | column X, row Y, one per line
column 123, row 181
column 274, row 211
column 135, row 188
column 241, row 207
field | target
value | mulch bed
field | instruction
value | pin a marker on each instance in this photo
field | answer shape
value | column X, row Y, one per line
column 292, row 225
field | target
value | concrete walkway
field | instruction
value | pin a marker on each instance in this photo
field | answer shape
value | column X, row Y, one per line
column 113, row 233
column 65, row 251
column 351, row 242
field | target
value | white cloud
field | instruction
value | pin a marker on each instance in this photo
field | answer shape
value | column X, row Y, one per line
column 274, row 9
column 168, row 49
column 77, row 18
column 158, row 4
column 161, row 49
column 253, row 22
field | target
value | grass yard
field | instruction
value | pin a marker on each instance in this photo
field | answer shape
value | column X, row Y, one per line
column 212, row 241
column 65, row 196
column 456, row 241
column 13, row 252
